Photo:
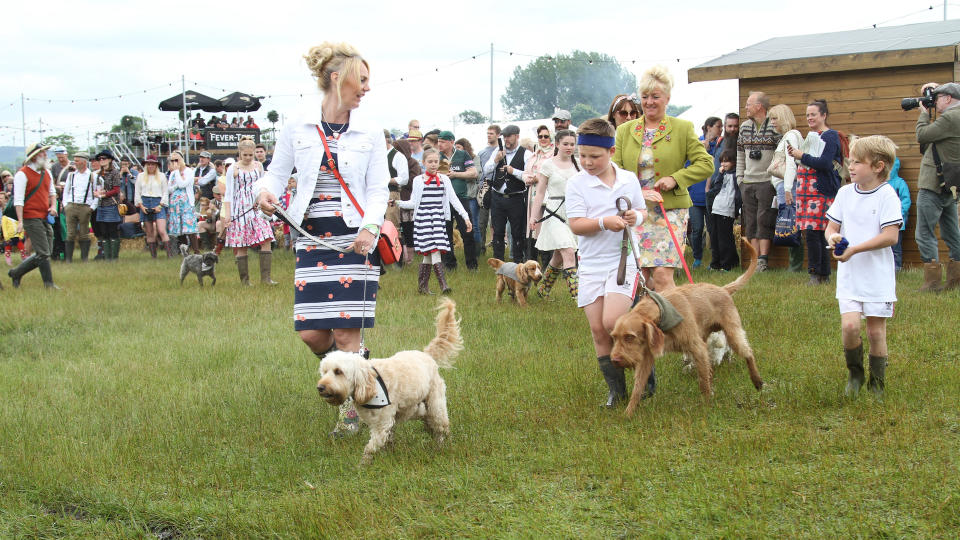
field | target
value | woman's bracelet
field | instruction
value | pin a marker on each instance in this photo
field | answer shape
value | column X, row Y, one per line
column 374, row 230
column 600, row 222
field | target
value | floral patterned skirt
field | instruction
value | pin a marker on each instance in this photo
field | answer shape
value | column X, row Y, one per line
column 656, row 242
column 181, row 218
column 811, row 205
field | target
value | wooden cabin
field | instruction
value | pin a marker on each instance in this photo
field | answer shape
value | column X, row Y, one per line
column 863, row 75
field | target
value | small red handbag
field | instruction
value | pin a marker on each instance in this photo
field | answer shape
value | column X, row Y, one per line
column 388, row 245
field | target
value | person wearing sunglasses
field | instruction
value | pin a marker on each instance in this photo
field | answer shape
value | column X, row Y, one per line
column 623, row 108
column 544, row 150
column 107, row 215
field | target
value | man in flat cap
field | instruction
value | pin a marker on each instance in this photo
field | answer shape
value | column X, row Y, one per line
column 940, row 141
column 462, row 172
column 509, row 200
column 205, row 175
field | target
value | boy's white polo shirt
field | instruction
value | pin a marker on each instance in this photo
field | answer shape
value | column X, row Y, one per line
column 589, row 197
column 869, row 276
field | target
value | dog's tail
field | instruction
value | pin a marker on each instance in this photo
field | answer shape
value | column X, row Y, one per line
column 751, row 255
column 447, row 343
column 184, row 250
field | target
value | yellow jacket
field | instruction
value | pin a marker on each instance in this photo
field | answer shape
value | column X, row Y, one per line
column 672, row 148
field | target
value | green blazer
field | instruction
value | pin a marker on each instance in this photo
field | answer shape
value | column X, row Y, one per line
column 672, row 149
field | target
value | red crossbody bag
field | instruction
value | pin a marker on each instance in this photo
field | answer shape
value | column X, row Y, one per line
column 388, row 245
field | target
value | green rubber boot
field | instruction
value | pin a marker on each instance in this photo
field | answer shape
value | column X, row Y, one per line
column 855, row 379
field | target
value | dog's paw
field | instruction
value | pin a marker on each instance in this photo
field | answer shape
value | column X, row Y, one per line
column 367, row 459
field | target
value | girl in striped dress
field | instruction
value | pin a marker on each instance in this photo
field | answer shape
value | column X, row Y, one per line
column 240, row 217
column 431, row 200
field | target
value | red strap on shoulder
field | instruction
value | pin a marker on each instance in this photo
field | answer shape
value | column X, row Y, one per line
column 333, row 167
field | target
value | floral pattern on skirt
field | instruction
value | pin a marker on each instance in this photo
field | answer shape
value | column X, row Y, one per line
column 656, row 243
column 247, row 228
column 811, row 204
column 181, row 218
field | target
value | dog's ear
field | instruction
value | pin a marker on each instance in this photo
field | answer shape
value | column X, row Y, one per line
column 364, row 384
column 654, row 338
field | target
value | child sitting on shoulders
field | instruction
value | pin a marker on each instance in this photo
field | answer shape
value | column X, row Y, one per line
column 593, row 216
column 431, row 200
column 864, row 223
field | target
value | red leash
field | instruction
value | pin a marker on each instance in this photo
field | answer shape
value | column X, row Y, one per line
column 676, row 244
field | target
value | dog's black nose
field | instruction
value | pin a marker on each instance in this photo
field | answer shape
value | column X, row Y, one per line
column 321, row 388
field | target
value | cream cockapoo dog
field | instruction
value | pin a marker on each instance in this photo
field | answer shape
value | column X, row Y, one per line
column 390, row 390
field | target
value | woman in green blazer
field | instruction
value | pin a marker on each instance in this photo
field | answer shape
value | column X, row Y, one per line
column 667, row 157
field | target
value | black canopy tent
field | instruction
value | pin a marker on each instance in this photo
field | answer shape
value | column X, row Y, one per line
column 239, row 102
column 194, row 100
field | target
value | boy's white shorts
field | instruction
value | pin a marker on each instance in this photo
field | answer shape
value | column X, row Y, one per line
column 596, row 284
column 867, row 309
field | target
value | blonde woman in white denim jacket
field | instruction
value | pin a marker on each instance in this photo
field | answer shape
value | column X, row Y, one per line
column 329, row 298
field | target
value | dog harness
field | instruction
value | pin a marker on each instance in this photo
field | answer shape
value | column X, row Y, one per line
column 204, row 267
column 669, row 316
column 510, row 270
column 381, row 399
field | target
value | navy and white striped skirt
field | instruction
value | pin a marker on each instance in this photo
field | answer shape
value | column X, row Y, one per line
column 329, row 285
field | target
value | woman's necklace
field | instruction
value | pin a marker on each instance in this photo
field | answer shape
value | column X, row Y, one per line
column 336, row 132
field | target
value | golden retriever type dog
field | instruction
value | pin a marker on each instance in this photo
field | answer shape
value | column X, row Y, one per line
column 517, row 278
column 403, row 387
column 705, row 308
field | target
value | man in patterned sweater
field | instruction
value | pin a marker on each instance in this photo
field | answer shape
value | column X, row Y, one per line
column 755, row 147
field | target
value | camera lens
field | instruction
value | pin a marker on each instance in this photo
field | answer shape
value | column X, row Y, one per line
column 910, row 103
column 755, row 154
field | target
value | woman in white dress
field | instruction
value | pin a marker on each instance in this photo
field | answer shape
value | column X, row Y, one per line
column 550, row 215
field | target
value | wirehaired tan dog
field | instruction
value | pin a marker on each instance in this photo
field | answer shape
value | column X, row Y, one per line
column 705, row 308
column 516, row 278
column 403, row 387
column 202, row 265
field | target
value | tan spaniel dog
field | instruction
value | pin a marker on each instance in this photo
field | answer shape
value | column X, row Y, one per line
column 705, row 308
column 519, row 277
column 403, row 387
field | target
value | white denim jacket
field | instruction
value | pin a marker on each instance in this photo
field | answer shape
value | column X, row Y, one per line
column 361, row 159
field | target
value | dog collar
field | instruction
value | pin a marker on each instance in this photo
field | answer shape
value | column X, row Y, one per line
column 381, row 399
column 669, row 316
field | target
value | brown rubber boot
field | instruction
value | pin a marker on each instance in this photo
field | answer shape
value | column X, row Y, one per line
column 931, row 277
column 195, row 243
column 442, row 278
column 423, row 279
column 953, row 275
column 243, row 270
column 152, row 247
column 266, row 260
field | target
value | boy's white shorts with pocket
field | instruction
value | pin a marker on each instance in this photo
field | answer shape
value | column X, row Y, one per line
column 867, row 309
column 593, row 285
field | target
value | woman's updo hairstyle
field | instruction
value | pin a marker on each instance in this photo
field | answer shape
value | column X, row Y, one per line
column 246, row 143
column 328, row 57
column 821, row 105
column 657, row 77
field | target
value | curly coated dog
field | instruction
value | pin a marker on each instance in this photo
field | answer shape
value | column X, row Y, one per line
column 705, row 308
column 403, row 387
column 516, row 277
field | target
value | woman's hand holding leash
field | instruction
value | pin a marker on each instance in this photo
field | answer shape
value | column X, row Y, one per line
column 652, row 195
column 364, row 241
column 266, row 201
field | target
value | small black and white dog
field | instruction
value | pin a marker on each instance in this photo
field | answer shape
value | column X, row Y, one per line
column 201, row 265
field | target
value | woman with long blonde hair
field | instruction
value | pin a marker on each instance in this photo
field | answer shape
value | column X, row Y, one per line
column 181, row 218
column 239, row 214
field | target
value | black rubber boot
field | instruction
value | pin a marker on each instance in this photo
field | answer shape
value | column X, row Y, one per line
column 68, row 251
column 243, row 270
column 616, row 381
column 16, row 273
column 878, row 366
column 84, row 250
column 855, row 378
column 47, row 274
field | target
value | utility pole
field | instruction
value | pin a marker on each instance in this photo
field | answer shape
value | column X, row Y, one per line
column 23, row 125
column 491, row 83
column 186, row 133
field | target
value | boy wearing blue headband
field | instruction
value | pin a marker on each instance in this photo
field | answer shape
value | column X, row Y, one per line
column 594, row 218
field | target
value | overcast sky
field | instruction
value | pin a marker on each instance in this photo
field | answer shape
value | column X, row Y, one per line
column 79, row 51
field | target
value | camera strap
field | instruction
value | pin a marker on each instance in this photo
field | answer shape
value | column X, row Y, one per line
column 937, row 163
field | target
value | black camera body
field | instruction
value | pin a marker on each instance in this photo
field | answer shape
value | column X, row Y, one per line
column 755, row 154
column 928, row 100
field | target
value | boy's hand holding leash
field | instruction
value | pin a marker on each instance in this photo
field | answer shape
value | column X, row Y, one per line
column 618, row 223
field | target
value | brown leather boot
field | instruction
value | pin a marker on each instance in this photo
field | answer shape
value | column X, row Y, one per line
column 152, row 246
column 953, row 275
column 243, row 270
column 195, row 243
column 931, row 277
column 266, row 260
column 442, row 278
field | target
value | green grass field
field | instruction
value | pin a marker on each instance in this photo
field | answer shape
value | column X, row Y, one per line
column 136, row 408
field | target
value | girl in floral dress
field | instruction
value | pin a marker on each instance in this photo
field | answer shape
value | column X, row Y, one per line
column 243, row 223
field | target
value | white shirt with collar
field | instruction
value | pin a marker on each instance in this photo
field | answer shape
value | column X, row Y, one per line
column 78, row 188
column 403, row 170
column 208, row 176
column 490, row 167
column 589, row 197
column 361, row 160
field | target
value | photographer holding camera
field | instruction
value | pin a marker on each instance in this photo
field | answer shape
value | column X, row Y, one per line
column 940, row 143
column 756, row 144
